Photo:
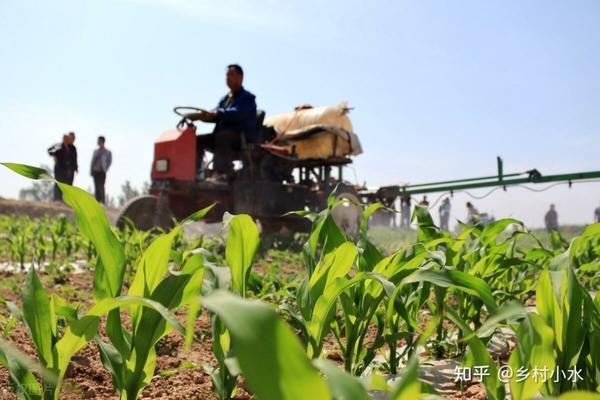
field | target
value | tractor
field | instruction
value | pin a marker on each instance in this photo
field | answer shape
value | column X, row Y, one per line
column 298, row 162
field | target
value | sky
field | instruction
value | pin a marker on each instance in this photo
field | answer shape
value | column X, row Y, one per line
column 439, row 89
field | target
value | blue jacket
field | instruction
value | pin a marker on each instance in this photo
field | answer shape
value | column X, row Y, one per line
column 239, row 115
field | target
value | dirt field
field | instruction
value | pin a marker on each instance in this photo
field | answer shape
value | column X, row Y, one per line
column 37, row 209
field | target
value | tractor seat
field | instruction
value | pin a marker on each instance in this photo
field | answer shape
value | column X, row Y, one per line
column 260, row 117
column 247, row 149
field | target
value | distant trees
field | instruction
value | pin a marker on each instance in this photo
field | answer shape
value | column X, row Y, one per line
column 43, row 191
column 128, row 192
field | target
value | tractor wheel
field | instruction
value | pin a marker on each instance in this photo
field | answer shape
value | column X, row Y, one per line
column 145, row 213
column 347, row 214
column 283, row 225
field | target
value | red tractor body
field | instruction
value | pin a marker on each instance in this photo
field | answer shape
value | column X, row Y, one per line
column 175, row 155
column 265, row 184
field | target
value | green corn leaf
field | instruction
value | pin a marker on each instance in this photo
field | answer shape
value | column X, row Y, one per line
column 62, row 308
column 28, row 171
column 198, row 215
column 76, row 336
column 81, row 331
column 456, row 279
column 171, row 293
column 579, row 395
column 342, row 385
column 324, row 231
column 38, row 317
column 333, row 265
column 548, row 307
column 153, row 265
column 491, row 232
column 573, row 319
column 242, row 243
column 534, row 350
column 409, row 386
column 504, row 312
column 151, row 269
column 370, row 254
column 322, row 312
column 113, row 361
column 94, row 225
column 427, row 229
column 14, row 310
column 20, row 367
column 119, row 337
column 480, row 356
column 269, row 354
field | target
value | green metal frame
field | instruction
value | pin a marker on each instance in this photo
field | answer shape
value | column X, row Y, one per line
column 501, row 179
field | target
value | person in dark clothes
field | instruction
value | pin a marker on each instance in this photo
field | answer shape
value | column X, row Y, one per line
column 235, row 121
column 405, row 212
column 73, row 156
column 551, row 219
column 101, row 161
column 65, row 163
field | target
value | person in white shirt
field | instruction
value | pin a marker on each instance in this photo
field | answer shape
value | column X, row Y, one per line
column 445, row 214
column 101, row 161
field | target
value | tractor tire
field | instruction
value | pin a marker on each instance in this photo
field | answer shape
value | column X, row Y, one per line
column 145, row 213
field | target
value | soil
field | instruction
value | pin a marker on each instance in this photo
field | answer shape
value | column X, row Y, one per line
column 34, row 209
column 37, row 209
column 179, row 373
column 88, row 379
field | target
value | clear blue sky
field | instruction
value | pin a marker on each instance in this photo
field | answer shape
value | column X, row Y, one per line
column 438, row 88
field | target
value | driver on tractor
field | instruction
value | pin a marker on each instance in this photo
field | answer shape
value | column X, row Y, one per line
column 235, row 125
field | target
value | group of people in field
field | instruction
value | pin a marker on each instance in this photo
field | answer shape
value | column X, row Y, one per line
column 443, row 210
column 66, row 165
column 473, row 215
column 405, row 211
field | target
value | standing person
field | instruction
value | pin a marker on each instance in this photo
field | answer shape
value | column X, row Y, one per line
column 101, row 161
column 472, row 214
column 65, row 163
column 597, row 214
column 405, row 212
column 73, row 157
column 424, row 202
column 551, row 219
column 445, row 214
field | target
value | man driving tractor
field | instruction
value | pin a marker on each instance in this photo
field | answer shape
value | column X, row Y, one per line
column 235, row 125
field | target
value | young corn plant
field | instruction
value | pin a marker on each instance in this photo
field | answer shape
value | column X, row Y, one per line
column 361, row 290
column 584, row 255
column 560, row 341
column 478, row 265
column 275, row 366
column 42, row 316
column 130, row 356
column 21, row 369
column 242, row 243
column 17, row 240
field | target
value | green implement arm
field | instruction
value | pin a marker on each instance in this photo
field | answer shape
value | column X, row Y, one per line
column 502, row 180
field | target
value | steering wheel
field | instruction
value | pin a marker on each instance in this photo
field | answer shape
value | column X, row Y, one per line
column 188, row 115
column 184, row 111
